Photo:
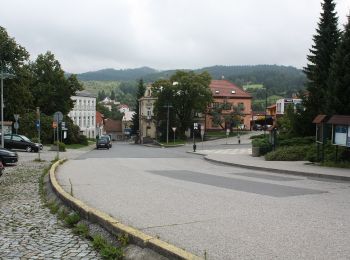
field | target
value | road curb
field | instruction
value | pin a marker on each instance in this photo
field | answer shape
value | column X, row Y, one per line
column 114, row 226
column 307, row 174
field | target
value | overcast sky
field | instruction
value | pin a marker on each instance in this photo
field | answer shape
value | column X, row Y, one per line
column 88, row 35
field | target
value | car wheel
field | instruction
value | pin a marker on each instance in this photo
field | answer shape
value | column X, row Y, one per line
column 28, row 149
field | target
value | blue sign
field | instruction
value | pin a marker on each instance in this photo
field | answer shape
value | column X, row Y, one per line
column 37, row 124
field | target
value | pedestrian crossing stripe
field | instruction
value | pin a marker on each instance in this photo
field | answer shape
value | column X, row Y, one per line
column 227, row 151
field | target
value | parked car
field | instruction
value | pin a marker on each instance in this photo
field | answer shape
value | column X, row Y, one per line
column 109, row 140
column 8, row 157
column 103, row 142
column 21, row 142
column 257, row 127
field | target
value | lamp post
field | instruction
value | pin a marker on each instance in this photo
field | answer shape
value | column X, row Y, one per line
column 265, row 109
column 3, row 76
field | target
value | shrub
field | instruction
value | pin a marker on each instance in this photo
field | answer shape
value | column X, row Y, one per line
column 83, row 140
column 61, row 146
column 258, row 142
column 291, row 153
column 296, row 141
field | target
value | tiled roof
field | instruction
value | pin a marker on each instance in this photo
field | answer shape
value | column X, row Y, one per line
column 224, row 88
column 320, row 119
column 113, row 125
column 339, row 120
column 99, row 118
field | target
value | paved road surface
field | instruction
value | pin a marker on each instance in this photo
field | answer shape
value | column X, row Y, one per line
column 231, row 213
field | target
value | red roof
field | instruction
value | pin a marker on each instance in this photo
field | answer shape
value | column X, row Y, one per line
column 224, row 88
column 339, row 120
column 99, row 118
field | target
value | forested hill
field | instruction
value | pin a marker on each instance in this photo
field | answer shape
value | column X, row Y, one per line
column 278, row 79
column 117, row 75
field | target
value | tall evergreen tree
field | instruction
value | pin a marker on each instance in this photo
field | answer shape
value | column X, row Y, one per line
column 317, row 70
column 140, row 93
column 339, row 79
column 112, row 95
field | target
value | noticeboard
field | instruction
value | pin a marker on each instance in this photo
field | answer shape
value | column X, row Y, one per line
column 341, row 135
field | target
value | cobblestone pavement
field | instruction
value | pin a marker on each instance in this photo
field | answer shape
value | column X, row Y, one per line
column 27, row 229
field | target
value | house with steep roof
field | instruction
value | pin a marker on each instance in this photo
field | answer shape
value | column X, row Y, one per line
column 230, row 98
column 114, row 129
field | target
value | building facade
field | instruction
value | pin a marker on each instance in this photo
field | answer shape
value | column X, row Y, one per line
column 84, row 113
column 283, row 103
column 229, row 97
column 147, row 123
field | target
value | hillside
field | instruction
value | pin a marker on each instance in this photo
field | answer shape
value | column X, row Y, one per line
column 116, row 75
column 278, row 79
column 281, row 81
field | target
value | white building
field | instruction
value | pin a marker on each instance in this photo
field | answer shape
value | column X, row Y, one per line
column 84, row 113
column 283, row 103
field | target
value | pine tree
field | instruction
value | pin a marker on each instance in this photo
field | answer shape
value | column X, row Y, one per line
column 317, row 71
column 112, row 95
column 140, row 93
column 339, row 79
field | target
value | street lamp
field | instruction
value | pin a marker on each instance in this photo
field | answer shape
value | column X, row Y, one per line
column 3, row 76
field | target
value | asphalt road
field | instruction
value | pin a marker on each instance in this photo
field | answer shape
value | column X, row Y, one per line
column 227, row 212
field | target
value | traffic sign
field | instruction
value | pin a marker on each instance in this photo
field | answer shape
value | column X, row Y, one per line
column 195, row 126
column 174, row 128
column 16, row 116
column 63, row 124
column 37, row 124
column 58, row 116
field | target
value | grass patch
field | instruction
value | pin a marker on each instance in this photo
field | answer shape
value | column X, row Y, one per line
column 222, row 134
column 111, row 252
column 53, row 206
column 337, row 164
column 171, row 142
column 82, row 230
column 72, row 219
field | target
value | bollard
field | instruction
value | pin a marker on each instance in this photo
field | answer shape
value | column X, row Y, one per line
column 194, row 147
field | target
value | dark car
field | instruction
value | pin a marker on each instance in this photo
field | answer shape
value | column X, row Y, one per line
column 102, row 142
column 8, row 157
column 109, row 140
column 257, row 127
column 21, row 142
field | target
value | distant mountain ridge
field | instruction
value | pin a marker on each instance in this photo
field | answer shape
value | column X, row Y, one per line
column 276, row 78
column 116, row 75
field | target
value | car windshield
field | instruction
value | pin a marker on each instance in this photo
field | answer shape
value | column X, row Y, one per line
column 104, row 138
column 25, row 138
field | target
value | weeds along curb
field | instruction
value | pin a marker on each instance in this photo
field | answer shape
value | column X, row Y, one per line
column 114, row 226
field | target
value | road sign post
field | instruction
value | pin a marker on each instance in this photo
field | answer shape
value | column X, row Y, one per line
column 202, row 135
column 174, row 130
column 195, row 127
column 57, row 117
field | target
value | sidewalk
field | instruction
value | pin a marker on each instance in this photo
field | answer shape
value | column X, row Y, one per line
column 297, row 168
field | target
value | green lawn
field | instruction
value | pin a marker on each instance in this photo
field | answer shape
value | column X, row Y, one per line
column 253, row 86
